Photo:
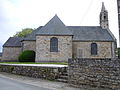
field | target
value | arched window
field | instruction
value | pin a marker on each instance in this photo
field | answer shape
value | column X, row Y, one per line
column 54, row 44
column 93, row 49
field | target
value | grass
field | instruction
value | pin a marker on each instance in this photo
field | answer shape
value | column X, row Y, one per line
column 60, row 63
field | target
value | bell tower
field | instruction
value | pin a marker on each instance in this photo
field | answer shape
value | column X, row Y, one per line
column 104, row 23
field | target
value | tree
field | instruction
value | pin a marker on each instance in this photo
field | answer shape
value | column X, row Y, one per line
column 24, row 32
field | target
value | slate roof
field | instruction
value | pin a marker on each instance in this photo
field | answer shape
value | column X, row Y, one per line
column 32, row 36
column 83, row 33
column 13, row 41
column 90, row 33
column 54, row 27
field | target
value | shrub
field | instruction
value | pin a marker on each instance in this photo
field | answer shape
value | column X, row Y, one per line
column 27, row 56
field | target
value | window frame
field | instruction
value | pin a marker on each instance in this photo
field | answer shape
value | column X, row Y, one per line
column 54, row 44
column 94, row 49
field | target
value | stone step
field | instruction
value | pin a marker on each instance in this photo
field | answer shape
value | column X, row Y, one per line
column 65, row 74
column 64, row 77
column 62, row 80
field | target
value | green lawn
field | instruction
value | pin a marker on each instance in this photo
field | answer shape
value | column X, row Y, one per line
column 60, row 63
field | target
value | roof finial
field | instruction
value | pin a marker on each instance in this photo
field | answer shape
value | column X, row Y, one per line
column 103, row 7
column 56, row 14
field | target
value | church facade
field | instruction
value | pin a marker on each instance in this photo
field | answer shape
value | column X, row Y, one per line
column 57, row 42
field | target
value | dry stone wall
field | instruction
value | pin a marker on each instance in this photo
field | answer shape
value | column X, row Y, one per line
column 49, row 73
column 95, row 72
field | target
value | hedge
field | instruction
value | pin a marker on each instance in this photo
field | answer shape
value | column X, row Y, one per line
column 27, row 56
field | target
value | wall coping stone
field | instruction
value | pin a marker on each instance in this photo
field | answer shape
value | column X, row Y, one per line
column 38, row 65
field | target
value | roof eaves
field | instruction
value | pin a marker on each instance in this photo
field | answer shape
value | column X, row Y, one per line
column 93, row 40
column 55, row 34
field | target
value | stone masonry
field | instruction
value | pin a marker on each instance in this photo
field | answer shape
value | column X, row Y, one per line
column 95, row 72
column 43, row 49
column 29, row 45
column 11, row 53
column 49, row 73
column 83, row 50
column 0, row 57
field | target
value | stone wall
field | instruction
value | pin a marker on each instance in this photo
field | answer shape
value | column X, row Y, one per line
column 43, row 49
column 95, row 72
column 11, row 53
column 50, row 73
column 29, row 45
column 83, row 50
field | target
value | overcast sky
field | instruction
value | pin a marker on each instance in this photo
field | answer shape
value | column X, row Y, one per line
column 18, row 14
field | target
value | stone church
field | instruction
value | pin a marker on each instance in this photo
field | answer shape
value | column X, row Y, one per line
column 57, row 42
